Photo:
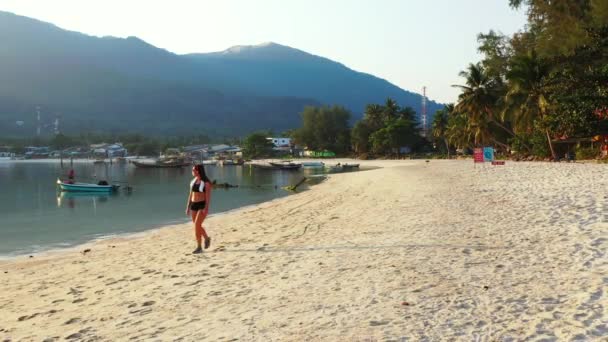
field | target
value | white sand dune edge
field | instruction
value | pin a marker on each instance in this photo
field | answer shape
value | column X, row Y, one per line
column 442, row 251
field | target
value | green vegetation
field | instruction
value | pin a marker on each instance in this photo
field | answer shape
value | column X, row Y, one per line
column 386, row 128
column 256, row 145
column 545, row 83
column 383, row 131
column 324, row 128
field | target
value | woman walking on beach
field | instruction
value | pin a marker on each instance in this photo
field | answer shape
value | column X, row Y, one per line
column 198, row 205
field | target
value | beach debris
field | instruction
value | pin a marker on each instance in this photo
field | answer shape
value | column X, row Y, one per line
column 377, row 323
column 486, row 287
column 72, row 321
column 405, row 303
column 86, row 251
column 295, row 187
column 51, row 339
column 74, row 336
column 31, row 256
column 224, row 185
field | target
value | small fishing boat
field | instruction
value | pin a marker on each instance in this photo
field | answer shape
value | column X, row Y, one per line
column 209, row 162
column 231, row 162
column 86, row 187
column 160, row 164
column 313, row 165
column 263, row 166
column 350, row 166
column 334, row 168
column 286, row 165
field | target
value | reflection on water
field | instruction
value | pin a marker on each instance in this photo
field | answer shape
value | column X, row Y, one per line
column 34, row 215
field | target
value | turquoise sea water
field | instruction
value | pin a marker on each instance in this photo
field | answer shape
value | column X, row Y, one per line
column 34, row 216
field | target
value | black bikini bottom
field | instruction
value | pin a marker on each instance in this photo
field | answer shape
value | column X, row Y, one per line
column 194, row 206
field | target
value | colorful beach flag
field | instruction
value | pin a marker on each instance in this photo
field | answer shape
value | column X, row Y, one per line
column 488, row 154
column 478, row 155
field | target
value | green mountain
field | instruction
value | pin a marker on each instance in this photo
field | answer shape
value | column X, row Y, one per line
column 126, row 85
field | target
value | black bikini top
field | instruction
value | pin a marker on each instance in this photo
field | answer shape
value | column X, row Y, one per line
column 200, row 187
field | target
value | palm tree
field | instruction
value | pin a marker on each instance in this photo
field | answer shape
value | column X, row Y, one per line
column 458, row 130
column 440, row 126
column 374, row 116
column 407, row 113
column 479, row 98
column 526, row 100
column 390, row 110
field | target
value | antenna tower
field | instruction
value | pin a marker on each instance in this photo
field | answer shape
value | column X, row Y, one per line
column 38, row 125
column 423, row 114
column 57, row 124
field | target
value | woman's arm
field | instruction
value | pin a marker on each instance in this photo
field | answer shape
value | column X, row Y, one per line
column 188, row 202
column 207, row 196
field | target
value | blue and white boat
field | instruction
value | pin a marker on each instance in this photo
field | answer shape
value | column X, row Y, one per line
column 313, row 164
column 86, row 187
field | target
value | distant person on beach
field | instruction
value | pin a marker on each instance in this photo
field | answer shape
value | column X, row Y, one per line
column 198, row 205
column 71, row 176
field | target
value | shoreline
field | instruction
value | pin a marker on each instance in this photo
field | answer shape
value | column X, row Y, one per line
column 415, row 250
column 72, row 248
column 128, row 236
column 69, row 248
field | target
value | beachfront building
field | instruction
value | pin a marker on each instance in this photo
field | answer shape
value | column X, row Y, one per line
column 221, row 151
column 76, row 152
column 104, row 150
column 197, row 152
column 282, row 146
column 225, row 152
column 6, row 152
column 37, row 152
column 280, row 142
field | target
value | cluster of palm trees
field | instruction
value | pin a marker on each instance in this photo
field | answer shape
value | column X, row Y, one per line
column 494, row 110
column 546, row 82
column 384, row 129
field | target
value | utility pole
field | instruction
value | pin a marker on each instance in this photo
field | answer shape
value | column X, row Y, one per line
column 423, row 114
column 38, row 125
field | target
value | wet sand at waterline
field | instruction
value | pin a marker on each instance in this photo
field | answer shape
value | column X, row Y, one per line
column 437, row 251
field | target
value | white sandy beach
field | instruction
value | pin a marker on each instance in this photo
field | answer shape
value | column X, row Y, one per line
column 443, row 251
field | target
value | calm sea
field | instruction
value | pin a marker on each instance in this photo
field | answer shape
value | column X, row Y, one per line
column 34, row 216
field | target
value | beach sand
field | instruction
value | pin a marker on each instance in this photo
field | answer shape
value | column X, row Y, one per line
column 423, row 251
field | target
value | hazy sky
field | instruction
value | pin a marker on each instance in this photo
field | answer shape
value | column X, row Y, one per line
column 411, row 43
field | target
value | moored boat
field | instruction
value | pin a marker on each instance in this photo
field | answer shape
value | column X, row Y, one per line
column 312, row 165
column 263, row 166
column 286, row 165
column 334, row 168
column 230, row 162
column 160, row 164
column 86, row 187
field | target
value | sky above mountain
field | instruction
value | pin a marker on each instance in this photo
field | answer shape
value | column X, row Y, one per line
column 410, row 43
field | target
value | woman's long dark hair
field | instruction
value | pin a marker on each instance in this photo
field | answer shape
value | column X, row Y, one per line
column 201, row 171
